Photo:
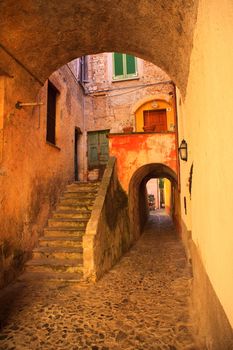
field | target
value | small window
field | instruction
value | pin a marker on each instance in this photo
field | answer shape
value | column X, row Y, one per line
column 83, row 69
column 124, row 66
column 51, row 113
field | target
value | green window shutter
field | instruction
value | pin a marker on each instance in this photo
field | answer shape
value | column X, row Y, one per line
column 118, row 64
column 103, row 142
column 130, row 65
column 92, row 140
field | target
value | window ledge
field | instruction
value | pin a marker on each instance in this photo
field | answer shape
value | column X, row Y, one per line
column 52, row 145
column 124, row 79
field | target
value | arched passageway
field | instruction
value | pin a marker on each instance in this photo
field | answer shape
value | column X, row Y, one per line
column 160, row 194
column 58, row 33
column 37, row 38
column 138, row 200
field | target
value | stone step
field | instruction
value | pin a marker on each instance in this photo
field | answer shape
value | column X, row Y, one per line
column 60, row 222
column 62, row 232
column 53, row 277
column 72, row 207
column 80, row 194
column 83, row 201
column 82, row 186
column 57, row 253
column 54, row 265
column 86, row 183
column 69, row 242
column 74, row 214
column 59, row 256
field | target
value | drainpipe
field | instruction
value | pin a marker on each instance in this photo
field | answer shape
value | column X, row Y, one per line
column 176, row 136
column 84, row 140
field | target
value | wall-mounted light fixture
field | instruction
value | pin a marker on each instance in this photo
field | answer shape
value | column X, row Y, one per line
column 183, row 150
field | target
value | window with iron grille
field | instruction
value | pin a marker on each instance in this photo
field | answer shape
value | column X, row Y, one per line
column 83, row 69
column 51, row 113
column 124, row 66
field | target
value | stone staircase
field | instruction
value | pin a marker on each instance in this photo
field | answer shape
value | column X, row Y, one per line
column 59, row 255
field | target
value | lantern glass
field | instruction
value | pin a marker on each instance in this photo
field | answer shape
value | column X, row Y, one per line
column 183, row 150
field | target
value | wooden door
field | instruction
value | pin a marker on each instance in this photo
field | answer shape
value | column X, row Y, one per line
column 157, row 118
column 98, row 149
column 93, row 157
column 103, row 147
column 76, row 138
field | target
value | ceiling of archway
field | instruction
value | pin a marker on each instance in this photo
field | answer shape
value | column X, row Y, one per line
column 44, row 35
column 150, row 171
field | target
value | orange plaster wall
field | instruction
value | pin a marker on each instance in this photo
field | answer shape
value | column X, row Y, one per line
column 135, row 150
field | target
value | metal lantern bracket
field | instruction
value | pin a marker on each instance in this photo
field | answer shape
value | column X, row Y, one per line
column 20, row 105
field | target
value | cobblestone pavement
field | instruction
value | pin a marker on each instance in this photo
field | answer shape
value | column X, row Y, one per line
column 141, row 304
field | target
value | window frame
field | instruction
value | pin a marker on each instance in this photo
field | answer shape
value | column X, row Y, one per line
column 83, row 69
column 51, row 87
column 125, row 76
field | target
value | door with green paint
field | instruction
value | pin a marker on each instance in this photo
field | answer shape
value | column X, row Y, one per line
column 98, row 151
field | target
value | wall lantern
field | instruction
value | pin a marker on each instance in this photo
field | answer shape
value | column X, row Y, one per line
column 183, row 150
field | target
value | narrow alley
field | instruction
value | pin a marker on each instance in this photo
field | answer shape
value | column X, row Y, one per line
column 141, row 304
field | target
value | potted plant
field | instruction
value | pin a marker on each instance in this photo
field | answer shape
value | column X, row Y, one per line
column 127, row 127
column 149, row 128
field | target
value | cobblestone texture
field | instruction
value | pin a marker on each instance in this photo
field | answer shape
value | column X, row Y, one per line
column 141, row 304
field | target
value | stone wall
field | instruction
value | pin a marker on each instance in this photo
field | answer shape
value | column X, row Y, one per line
column 33, row 172
column 107, row 234
column 109, row 102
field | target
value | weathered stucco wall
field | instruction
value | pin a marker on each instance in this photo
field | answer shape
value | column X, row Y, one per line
column 32, row 171
column 206, row 123
column 109, row 104
column 137, row 149
column 107, row 234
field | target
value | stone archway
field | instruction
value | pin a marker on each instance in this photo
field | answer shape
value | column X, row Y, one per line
column 144, row 100
column 58, row 33
column 138, row 212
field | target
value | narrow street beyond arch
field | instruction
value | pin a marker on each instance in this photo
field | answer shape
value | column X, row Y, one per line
column 142, row 303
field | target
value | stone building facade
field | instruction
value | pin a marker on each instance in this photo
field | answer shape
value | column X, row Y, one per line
column 110, row 101
column 34, row 167
column 114, row 102
column 123, row 91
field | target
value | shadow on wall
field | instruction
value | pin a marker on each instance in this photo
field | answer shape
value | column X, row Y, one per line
column 138, row 203
column 107, row 235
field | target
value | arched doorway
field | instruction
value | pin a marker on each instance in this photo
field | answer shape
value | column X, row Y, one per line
column 138, row 201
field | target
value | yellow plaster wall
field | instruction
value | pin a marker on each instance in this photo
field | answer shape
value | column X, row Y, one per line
column 207, row 124
column 151, row 106
column 167, row 195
